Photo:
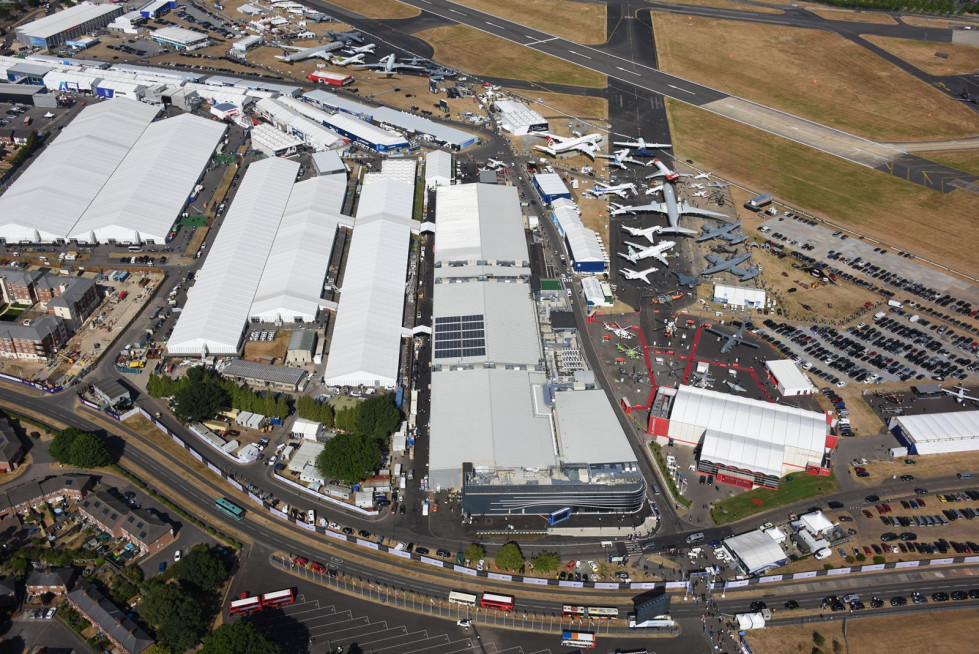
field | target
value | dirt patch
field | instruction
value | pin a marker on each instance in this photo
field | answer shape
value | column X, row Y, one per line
column 907, row 216
column 744, row 59
column 378, row 8
column 270, row 349
column 868, row 635
column 852, row 16
column 863, row 420
column 581, row 22
column 558, row 106
column 967, row 160
column 479, row 53
column 959, row 58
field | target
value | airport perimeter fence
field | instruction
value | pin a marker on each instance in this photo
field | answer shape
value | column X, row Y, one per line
column 403, row 597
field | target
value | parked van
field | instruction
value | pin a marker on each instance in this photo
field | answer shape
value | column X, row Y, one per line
column 964, row 475
column 695, row 538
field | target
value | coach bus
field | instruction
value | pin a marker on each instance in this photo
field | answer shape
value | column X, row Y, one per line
column 599, row 612
column 278, row 598
column 466, row 599
column 494, row 601
column 228, row 507
column 578, row 639
column 244, row 605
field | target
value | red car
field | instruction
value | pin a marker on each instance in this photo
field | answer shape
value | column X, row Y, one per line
column 921, row 502
column 317, row 567
column 887, row 507
column 867, row 550
column 868, row 513
column 880, row 509
column 570, row 565
column 300, row 561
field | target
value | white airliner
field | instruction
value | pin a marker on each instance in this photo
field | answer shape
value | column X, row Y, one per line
column 620, row 158
column 638, row 274
column 587, row 145
column 671, row 175
column 301, row 54
column 639, row 252
column 346, row 61
column 673, row 210
column 641, row 145
column 390, row 65
column 655, row 188
column 646, row 233
column 362, row 49
column 621, row 190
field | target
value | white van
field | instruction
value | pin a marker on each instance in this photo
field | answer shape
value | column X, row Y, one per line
column 824, row 553
column 695, row 538
column 964, row 475
column 425, row 508
column 311, row 517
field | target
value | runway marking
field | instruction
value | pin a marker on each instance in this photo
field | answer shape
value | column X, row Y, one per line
column 553, row 38
column 679, row 89
column 632, row 72
column 493, row 25
column 461, row 13
column 578, row 54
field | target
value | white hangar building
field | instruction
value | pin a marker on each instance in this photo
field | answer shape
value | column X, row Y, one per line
column 938, row 433
column 369, row 326
column 519, row 119
column 788, row 379
column 744, row 442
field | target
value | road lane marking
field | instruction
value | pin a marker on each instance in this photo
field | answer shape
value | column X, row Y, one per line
column 631, row 72
column 679, row 89
column 578, row 54
column 493, row 25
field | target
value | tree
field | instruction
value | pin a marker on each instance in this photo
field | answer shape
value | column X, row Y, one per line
column 547, row 562
column 818, row 638
column 310, row 409
column 349, row 457
column 162, row 386
column 202, row 570
column 238, row 638
column 199, row 396
column 174, row 614
column 80, row 448
column 510, row 557
column 475, row 552
column 377, row 417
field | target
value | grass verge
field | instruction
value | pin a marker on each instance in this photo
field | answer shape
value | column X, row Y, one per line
column 959, row 58
column 933, row 225
column 967, row 160
column 846, row 87
column 479, row 53
column 792, row 488
column 378, row 8
column 581, row 22
column 657, row 451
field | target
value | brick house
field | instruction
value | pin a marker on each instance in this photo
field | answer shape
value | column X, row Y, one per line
column 105, row 616
column 33, row 494
column 139, row 526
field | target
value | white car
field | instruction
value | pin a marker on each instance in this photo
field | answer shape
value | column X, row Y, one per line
column 464, row 623
column 273, row 459
column 480, row 564
column 176, row 555
column 593, row 566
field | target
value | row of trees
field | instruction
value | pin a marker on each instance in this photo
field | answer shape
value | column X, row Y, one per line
column 202, row 392
column 82, row 449
column 310, row 409
column 356, row 452
column 931, row 6
column 510, row 557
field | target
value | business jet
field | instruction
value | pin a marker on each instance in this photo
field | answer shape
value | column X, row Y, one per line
column 638, row 274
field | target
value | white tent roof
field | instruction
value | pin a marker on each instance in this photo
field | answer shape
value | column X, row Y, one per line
column 739, row 295
column 314, row 134
column 788, row 374
column 292, row 282
column 50, row 196
column 479, row 222
column 71, row 80
column 954, row 431
column 584, row 243
column 581, row 417
column 367, row 334
column 179, row 35
column 306, row 427
column 732, row 414
column 438, row 168
column 756, row 550
column 66, row 19
column 816, row 522
column 149, row 188
column 361, row 129
column 218, row 304
column 743, row 451
column 270, row 140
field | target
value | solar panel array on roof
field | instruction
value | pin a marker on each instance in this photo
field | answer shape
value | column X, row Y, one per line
column 459, row 336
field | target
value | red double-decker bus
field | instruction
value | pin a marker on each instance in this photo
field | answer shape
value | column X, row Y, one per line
column 244, row 605
column 278, row 598
column 494, row 601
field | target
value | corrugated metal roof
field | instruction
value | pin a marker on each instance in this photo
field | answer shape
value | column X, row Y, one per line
column 214, row 317
column 588, row 429
column 292, row 281
column 338, row 102
column 584, row 243
column 366, row 344
column 144, row 196
column 788, row 374
column 264, row 372
column 350, row 124
column 66, row 19
column 51, row 195
column 422, row 125
column 479, row 222
column 740, row 416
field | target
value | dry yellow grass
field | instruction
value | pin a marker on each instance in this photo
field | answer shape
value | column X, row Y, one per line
column 559, row 105
column 846, row 86
column 961, row 58
column 581, row 22
column 275, row 349
column 870, row 635
column 967, row 160
column 378, row 8
column 852, row 16
column 933, row 225
column 731, row 4
column 479, row 53
column 921, row 21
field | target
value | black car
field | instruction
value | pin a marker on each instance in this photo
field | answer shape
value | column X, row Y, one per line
column 422, row 551
column 960, row 595
column 872, row 499
column 940, row 597
column 907, row 477
column 758, row 605
column 918, row 598
column 889, row 536
column 347, row 530
column 856, row 605
column 444, row 553
column 835, row 607
column 836, row 505
column 899, row 601
column 920, row 491
column 844, row 518
column 876, row 602
column 974, row 593
column 363, row 533
column 791, row 605
column 909, row 536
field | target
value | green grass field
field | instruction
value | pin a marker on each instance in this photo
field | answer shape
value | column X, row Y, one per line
column 792, row 488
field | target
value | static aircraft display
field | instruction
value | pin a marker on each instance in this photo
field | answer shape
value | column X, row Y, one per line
column 390, row 65
column 495, row 164
column 621, row 190
column 348, row 38
column 673, row 210
column 690, row 281
column 621, row 332
column 363, row 49
column 620, row 158
column 587, row 145
column 731, row 265
column 641, row 146
column 730, row 340
column 664, row 171
column 647, row 232
column 639, row 252
column 735, row 387
column 960, row 394
column 725, row 232
column 638, row 274
column 346, row 61
column 301, row 54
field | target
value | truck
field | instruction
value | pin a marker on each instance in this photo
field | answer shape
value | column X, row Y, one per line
column 27, row 121
column 759, row 201
column 894, row 303
column 578, row 639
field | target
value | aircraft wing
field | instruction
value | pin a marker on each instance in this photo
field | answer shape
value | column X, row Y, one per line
column 734, row 239
column 749, row 344
column 628, row 144
column 689, row 209
column 716, row 332
column 546, row 149
column 586, row 149
column 660, row 256
column 750, row 273
column 715, row 269
column 658, row 207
